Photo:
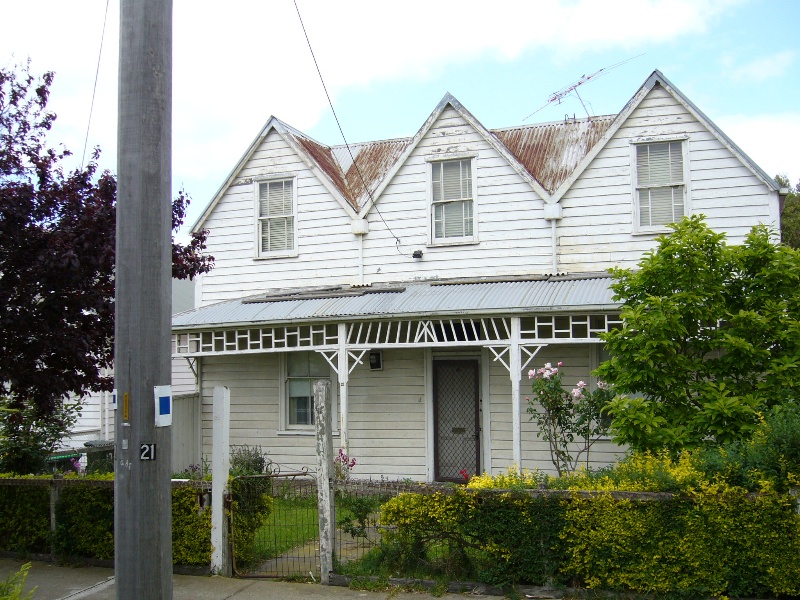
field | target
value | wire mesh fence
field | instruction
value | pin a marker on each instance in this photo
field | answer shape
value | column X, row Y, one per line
column 357, row 506
column 275, row 527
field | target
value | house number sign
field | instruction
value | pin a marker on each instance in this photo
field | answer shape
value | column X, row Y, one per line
column 147, row 452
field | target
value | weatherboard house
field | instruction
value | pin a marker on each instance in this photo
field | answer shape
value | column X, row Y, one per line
column 424, row 276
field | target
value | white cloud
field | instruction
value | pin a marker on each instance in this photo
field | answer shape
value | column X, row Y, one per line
column 770, row 140
column 767, row 67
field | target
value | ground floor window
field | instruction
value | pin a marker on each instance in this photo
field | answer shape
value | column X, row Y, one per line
column 302, row 370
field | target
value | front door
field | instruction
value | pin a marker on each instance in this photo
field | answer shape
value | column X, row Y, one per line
column 456, row 419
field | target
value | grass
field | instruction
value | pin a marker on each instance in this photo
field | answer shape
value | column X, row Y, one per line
column 292, row 522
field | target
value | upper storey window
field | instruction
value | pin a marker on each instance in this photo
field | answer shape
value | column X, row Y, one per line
column 660, row 186
column 275, row 220
column 453, row 200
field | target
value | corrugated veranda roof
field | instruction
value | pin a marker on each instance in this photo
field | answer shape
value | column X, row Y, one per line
column 575, row 293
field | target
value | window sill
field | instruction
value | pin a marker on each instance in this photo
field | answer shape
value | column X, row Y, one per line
column 300, row 432
column 454, row 243
column 651, row 231
column 279, row 255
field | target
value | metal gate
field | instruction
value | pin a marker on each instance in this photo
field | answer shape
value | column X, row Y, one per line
column 456, row 419
column 275, row 526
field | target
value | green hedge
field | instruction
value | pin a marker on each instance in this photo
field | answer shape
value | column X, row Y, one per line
column 25, row 519
column 85, row 521
column 497, row 537
column 711, row 541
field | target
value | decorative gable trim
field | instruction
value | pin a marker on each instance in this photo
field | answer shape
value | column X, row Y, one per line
column 304, row 150
column 491, row 139
column 657, row 78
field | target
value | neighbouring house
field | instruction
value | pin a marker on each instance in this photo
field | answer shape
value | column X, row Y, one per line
column 424, row 276
column 94, row 428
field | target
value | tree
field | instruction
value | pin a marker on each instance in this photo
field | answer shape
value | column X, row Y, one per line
column 790, row 217
column 711, row 337
column 57, row 243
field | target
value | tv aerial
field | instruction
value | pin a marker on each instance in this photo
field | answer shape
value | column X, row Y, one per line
column 558, row 96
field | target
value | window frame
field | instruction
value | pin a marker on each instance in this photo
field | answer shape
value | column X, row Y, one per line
column 284, row 428
column 459, row 240
column 257, row 218
column 638, row 228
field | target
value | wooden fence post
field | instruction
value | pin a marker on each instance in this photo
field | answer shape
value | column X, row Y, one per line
column 220, row 467
column 322, row 422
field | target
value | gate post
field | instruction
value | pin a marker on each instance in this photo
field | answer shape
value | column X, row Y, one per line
column 322, row 422
column 220, row 466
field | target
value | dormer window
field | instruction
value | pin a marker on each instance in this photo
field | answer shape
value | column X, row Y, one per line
column 660, row 186
column 275, row 221
column 452, row 200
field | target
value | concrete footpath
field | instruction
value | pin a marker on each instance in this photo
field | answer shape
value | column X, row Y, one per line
column 55, row 582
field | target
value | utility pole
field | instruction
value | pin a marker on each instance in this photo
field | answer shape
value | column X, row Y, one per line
column 142, row 488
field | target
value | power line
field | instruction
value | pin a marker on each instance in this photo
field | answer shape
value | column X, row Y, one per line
column 94, row 89
column 349, row 150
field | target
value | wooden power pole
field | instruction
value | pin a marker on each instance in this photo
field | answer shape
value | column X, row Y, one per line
column 142, row 489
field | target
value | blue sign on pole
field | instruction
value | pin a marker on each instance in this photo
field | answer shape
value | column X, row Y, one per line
column 163, row 398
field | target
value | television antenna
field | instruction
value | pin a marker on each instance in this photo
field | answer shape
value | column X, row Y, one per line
column 558, row 96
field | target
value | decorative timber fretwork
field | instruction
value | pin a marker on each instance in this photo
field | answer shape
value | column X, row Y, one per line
column 502, row 354
column 492, row 332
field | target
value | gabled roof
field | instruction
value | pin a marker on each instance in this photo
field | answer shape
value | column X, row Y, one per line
column 657, row 79
column 550, row 156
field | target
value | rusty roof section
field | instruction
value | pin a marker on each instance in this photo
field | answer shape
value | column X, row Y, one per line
column 550, row 152
column 323, row 156
column 372, row 162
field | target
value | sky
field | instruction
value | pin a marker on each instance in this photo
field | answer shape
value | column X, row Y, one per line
column 386, row 65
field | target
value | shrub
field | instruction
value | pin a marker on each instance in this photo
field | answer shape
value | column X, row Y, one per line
column 24, row 518
column 713, row 541
column 638, row 472
column 499, row 538
column 191, row 528
column 248, row 460
column 512, row 479
column 770, row 459
column 11, row 588
column 85, row 522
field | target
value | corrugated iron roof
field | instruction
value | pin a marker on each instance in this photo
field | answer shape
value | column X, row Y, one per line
column 412, row 299
column 550, row 152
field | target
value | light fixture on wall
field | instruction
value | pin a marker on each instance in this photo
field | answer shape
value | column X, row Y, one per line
column 376, row 361
column 416, row 254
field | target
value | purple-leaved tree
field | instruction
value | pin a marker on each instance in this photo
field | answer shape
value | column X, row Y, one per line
column 57, row 239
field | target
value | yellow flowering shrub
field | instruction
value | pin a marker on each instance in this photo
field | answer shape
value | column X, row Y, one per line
column 510, row 480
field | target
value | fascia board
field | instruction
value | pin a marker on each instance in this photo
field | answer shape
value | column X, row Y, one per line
column 623, row 115
column 198, row 224
column 450, row 100
column 657, row 77
column 314, row 167
column 718, row 133
column 405, row 154
column 500, row 149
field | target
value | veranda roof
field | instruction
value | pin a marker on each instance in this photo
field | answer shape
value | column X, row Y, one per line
column 499, row 296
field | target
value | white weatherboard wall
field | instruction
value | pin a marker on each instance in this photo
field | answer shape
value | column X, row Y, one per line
column 327, row 251
column 387, row 417
column 597, row 231
column 388, row 413
column 514, row 237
